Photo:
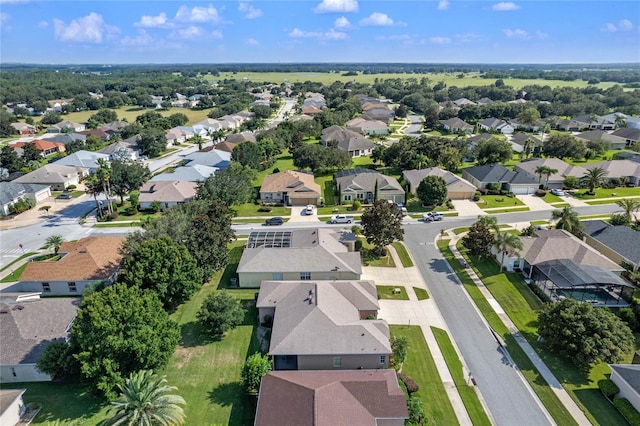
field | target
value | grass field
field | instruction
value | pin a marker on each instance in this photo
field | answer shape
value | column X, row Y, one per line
column 385, row 292
column 420, row 366
column 421, row 293
column 403, row 254
column 450, row 79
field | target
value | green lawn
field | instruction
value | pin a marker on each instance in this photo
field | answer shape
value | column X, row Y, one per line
column 284, row 161
column 511, row 292
column 117, row 225
column 467, row 393
column 403, row 254
column 550, row 198
column 608, row 155
column 420, row 366
column 20, row 258
column 251, row 209
column 529, row 371
column 496, row 201
column 597, row 202
column 421, row 293
column 607, row 193
column 385, row 292
column 326, row 186
column 15, row 275
column 459, row 231
column 509, row 210
column 369, row 259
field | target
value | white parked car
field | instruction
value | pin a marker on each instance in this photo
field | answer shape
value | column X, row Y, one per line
column 432, row 216
column 309, row 210
column 558, row 192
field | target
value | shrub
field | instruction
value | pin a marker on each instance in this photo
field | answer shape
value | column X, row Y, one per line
column 628, row 316
column 483, row 191
column 253, row 370
column 450, row 205
column 265, row 209
column 499, row 199
column 538, row 292
column 276, row 170
column 627, row 410
column 495, row 186
column 608, row 388
column 356, row 205
column 156, row 206
column 541, row 192
column 71, row 187
column 115, row 215
column 411, row 384
column 494, row 192
column 131, row 210
column 358, row 245
column 476, row 196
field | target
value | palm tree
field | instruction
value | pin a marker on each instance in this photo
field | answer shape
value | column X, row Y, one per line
column 629, row 206
column 145, row 400
column 93, row 187
column 103, row 173
column 55, row 241
column 594, row 178
column 421, row 160
column 548, row 172
column 540, row 170
column 507, row 244
column 566, row 219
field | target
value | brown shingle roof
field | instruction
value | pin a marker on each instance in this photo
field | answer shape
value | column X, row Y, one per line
column 296, row 184
column 331, row 398
column 92, row 258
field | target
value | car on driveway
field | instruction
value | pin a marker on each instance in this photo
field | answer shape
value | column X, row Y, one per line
column 272, row 221
column 309, row 210
column 432, row 217
column 558, row 192
column 64, row 196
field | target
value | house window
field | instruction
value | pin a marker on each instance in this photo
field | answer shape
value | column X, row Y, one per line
column 337, row 362
column 72, row 287
column 305, row 276
column 46, row 288
column 347, row 197
column 361, row 196
column 277, row 277
column 383, row 359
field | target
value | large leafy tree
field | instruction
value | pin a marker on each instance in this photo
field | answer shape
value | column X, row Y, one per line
column 103, row 116
column 479, row 240
column 253, row 370
column 232, row 186
column 584, row 334
column 567, row 218
column 563, row 145
column 127, row 176
column 381, row 224
column 593, row 178
column 432, row 190
column 120, row 330
column 318, row 157
column 507, row 244
column 9, row 159
column 30, row 153
column 152, row 141
column 248, row 154
column 165, row 267
column 146, row 400
column 493, row 150
column 219, row 313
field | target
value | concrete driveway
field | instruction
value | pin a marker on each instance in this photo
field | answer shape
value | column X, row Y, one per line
column 534, row 202
column 298, row 214
column 467, row 208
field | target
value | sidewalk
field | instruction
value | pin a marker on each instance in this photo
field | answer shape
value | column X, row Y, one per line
column 423, row 313
column 553, row 382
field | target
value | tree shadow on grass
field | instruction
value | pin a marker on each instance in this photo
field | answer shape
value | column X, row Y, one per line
column 192, row 335
column 232, row 394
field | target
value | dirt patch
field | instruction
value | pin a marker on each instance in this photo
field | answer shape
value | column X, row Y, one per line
column 184, row 355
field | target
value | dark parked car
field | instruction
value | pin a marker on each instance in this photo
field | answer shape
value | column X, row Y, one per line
column 65, row 196
column 274, row 221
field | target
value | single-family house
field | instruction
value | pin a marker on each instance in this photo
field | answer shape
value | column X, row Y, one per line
column 555, row 180
column 631, row 135
column 515, row 182
column 24, row 129
column 221, row 146
column 28, row 324
column 619, row 169
column 12, row 192
column 66, row 138
column 368, row 127
column 616, row 142
column 457, row 187
column 330, row 398
column 12, row 407
column 522, row 140
column 300, row 254
column 380, row 113
column 527, row 127
column 627, row 378
column 236, row 138
column 494, row 125
column 632, row 122
column 114, row 127
column 619, row 243
column 594, row 122
column 66, row 127
column 476, row 139
column 194, row 173
column 463, row 101
column 166, row 192
column 213, row 158
column 57, row 104
column 347, row 140
column 43, row 146
column 290, row 188
column 57, row 177
column 484, row 101
column 88, row 260
column 324, row 325
column 571, row 125
column 84, row 159
column 456, row 125
column 366, row 184
column 310, row 110
column 178, row 135
column 125, row 150
column 98, row 133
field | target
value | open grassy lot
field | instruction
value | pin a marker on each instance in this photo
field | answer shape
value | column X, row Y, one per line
column 385, row 292
column 467, row 393
column 420, row 366
column 497, row 201
column 403, row 254
column 529, row 371
column 511, row 292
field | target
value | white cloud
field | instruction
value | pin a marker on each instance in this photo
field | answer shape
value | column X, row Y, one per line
column 505, row 6
column 517, row 33
column 395, row 37
column 216, row 34
column 337, row 6
column 152, row 21
column 468, row 37
column 90, row 28
column 541, row 35
column 342, row 23
column 188, row 33
column 252, row 42
column 142, row 39
column 4, row 17
column 198, row 14
column 327, row 35
column 249, row 11
column 623, row 25
column 443, row 5
column 440, row 40
column 377, row 19
column 43, row 24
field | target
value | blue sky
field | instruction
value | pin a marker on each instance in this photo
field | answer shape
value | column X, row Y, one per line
column 121, row 31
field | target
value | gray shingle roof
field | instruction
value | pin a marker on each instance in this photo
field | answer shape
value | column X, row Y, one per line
column 352, row 180
column 11, row 191
column 630, row 373
column 621, row 239
column 498, row 173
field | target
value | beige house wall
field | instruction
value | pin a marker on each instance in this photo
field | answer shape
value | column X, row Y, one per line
column 348, row 362
column 254, row 279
